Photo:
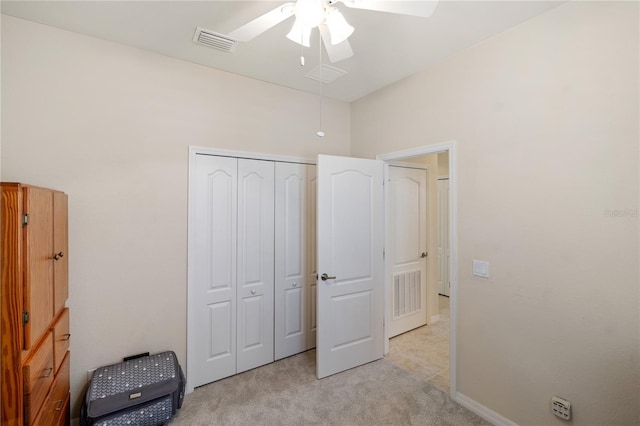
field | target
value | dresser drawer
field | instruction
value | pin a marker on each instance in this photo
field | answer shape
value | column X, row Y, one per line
column 61, row 338
column 57, row 403
column 38, row 373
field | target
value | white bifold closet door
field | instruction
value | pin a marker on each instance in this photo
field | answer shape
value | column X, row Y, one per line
column 255, row 263
column 231, row 306
column 295, row 281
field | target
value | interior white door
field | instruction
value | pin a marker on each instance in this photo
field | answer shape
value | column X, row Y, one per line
column 350, row 263
column 407, row 286
column 443, row 237
column 291, row 268
column 212, row 310
column 255, row 263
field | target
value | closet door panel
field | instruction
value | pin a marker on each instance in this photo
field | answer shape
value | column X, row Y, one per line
column 312, row 275
column 255, row 263
column 290, row 259
column 214, row 269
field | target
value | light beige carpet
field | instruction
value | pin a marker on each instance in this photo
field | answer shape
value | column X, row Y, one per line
column 287, row 392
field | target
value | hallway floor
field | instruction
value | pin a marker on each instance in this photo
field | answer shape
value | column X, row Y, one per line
column 424, row 351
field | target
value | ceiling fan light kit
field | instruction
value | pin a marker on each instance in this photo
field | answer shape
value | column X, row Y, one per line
column 324, row 14
column 300, row 34
column 339, row 28
column 310, row 13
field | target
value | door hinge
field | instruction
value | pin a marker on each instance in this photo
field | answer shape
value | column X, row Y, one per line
column 25, row 219
column 25, row 317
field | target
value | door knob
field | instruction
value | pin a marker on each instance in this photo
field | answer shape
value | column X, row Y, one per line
column 253, row 291
column 424, row 254
column 325, row 277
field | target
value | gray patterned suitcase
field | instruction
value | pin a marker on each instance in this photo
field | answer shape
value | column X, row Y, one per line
column 143, row 391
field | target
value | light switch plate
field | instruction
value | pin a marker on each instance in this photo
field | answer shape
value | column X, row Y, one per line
column 481, row 268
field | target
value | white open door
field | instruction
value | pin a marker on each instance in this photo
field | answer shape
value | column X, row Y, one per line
column 350, row 263
column 407, row 250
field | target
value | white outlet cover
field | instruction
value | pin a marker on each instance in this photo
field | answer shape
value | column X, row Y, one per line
column 561, row 407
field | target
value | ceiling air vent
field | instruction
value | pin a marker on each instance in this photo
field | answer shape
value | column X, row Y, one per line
column 214, row 40
column 325, row 73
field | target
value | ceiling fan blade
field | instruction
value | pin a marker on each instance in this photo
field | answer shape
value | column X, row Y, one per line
column 423, row 8
column 254, row 28
column 335, row 52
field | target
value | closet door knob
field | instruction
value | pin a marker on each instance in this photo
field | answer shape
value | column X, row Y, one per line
column 253, row 291
column 294, row 284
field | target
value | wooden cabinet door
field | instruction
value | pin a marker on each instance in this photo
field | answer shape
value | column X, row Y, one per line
column 60, row 251
column 11, row 298
column 38, row 288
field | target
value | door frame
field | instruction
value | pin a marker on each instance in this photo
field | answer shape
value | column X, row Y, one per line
column 451, row 147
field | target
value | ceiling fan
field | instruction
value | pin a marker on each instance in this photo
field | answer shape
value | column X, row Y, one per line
column 325, row 15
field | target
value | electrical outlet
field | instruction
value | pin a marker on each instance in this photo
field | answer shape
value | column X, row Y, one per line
column 561, row 408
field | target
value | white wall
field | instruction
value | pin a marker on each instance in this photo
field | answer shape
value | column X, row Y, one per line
column 546, row 119
column 443, row 164
column 111, row 126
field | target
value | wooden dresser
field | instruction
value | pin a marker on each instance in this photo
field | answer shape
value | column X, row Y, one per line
column 35, row 321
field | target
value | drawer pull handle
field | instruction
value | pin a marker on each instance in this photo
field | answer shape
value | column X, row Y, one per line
column 57, row 256
column 60, row 404
column 46, row 373
column 65, row 337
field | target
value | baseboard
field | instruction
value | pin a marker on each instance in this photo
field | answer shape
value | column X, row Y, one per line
column 484, row 412
column 434, row 319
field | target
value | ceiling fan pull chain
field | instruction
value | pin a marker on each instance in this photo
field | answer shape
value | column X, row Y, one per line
column 301, row 50
column 320, row 133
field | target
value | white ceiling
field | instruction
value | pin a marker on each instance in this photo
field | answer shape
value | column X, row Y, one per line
column 387, row 47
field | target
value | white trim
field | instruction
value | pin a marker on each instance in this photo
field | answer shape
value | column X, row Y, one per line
column 194, row 150
column 417, row 152
column 484, row 412
column 450, row 146
column 385, row 259
column 408, row 165
column 191, row 297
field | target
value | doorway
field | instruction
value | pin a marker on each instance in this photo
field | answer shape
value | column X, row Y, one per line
column 448, row 327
